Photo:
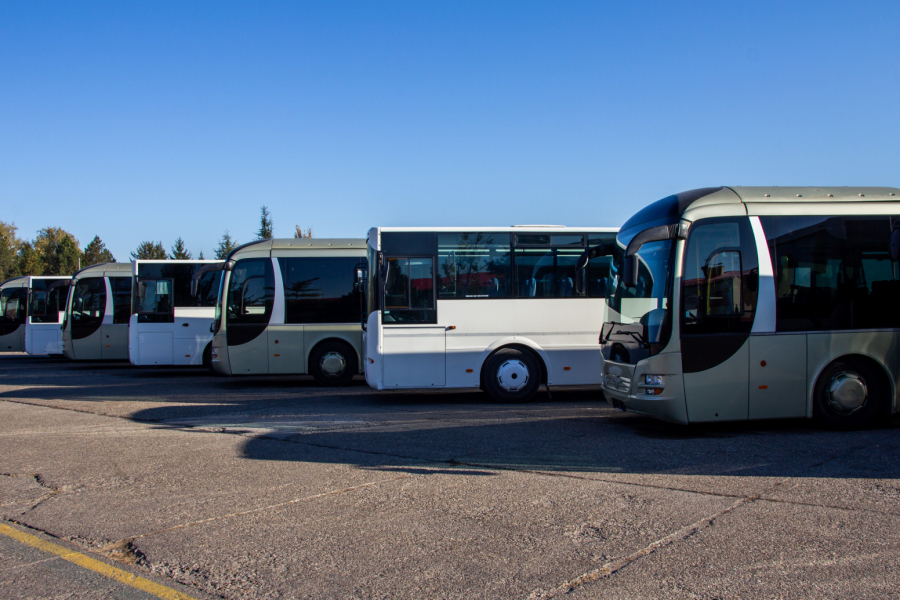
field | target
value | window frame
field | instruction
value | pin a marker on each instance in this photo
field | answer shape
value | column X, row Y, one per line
column 384, row 273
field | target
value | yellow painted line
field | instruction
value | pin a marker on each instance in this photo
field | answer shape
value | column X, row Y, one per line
column 138, row 583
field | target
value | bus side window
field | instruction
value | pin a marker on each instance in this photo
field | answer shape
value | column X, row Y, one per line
column 409, row 290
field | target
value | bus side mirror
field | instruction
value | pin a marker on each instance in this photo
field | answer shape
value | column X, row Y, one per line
column 580, row 281
column 630, row 271
column 895, row 244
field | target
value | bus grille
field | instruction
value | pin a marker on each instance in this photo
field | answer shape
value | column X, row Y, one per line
column 615, row 382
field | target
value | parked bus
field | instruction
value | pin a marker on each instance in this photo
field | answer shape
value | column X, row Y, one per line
column 489, row 308
column 170, row 325
column 97, row 313
column 290, row 306
column 46, row 310
column 13, row 313
column 735, row 303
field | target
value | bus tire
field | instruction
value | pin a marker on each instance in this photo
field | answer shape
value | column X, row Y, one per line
column 207, row 356
column 511, row 375
column 333, row 363
column 849, row 394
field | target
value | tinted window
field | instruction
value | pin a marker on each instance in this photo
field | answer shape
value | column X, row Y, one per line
column 251, row 291
column 121, row 288
column 89, row 301
column 47, row 304
column 154, row 301
column 720, row 280
column 320, row 289
column 832, row 272
column 207, row 289
column 546, row 272
column 13, row 304
column 409, row 291
column 474, row 265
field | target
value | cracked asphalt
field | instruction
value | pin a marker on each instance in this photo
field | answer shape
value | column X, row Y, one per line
column 275, row 488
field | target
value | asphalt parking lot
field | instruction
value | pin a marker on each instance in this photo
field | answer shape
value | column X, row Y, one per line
column 275, row 488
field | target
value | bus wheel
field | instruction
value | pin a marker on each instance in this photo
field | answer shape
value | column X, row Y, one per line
column 849, row 394
column 511, row 375
column 332, row 363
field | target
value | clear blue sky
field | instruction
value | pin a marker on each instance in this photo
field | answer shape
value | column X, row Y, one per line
column 153, row 120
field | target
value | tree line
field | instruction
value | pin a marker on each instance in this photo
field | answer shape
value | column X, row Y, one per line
column 55, row 251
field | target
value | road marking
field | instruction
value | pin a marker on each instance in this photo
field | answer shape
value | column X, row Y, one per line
column 129, row 579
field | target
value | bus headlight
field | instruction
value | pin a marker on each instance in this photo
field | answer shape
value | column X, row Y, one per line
column 653, row 380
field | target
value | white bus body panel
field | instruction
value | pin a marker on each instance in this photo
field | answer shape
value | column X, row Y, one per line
column 180, row 343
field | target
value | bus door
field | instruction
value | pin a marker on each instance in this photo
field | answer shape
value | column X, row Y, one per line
column 88, row 311
column 248, row 308
column 413, row 344
column 719, row 289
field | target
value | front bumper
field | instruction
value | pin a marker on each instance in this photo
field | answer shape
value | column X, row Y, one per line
column 622, row 385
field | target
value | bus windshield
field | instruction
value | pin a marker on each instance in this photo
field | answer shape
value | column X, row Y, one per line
column 639, row 324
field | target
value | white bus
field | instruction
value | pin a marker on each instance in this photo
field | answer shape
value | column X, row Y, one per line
column 735, row 303
column 170, row 325
column 46, row 310
column 291, row 307
column 491, row 308
column 13, row 313
column 99, row 306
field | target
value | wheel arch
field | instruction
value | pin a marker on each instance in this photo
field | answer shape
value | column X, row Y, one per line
column 878, row 364
column 518, row 343
column 341, row 338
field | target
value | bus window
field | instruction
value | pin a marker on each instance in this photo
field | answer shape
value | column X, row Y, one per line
column 121, row 289
column 719, row 284
column 320, row 289
column 208, row 288
column 409, row 291
column 832, row 273
column 38, row 305
column 154, row 301
column 473, row 265
column 251, row 292
column 546, row 272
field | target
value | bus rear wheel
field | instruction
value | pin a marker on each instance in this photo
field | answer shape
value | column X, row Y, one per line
column 850, row 393
column 333, row 364
column 511, row 375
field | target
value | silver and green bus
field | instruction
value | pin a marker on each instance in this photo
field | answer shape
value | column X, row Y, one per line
column 291, row 307
column 737, row 303
column 13, row 313
column 95, row 326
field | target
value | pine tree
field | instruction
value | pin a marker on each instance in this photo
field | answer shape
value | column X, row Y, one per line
column 265, row 224
column 299, row 233
column 30, row 262
column 67, row 257
column 150, row 251
column 96, row 253
column 9, row 251
column 226, row 245
column 201, row 256
column 179, row 252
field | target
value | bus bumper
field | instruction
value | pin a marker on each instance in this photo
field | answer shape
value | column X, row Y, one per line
column 624, row 385
column 219, row 359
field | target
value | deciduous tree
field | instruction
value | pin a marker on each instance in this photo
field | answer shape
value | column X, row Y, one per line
column 30, row 262
column 150, row 251
column 66, row 257
column 300, row 233
column 9, row 251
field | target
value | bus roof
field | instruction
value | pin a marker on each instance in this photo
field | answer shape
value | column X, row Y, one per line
column 671, row 208
column 99, row 270
column 299, row 244
column 513, row 229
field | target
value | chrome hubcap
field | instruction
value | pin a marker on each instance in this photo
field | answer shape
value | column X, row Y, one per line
column 512, row 375
column 847, row 392
column 332, row 364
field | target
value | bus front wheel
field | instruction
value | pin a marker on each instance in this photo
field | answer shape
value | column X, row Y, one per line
column 850, row 393
column 511, row 375
column 332, row 364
